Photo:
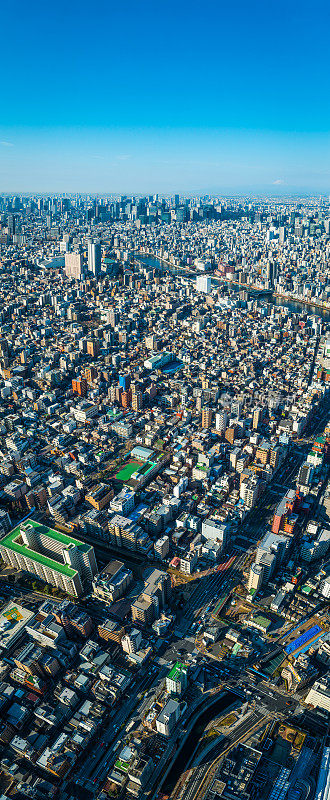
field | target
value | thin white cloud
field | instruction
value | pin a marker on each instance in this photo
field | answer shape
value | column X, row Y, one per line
column 278, row 182
column 6, row 144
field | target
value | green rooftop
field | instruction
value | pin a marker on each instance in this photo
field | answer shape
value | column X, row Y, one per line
column 10, row 542
column 122, row 765
column 177, row 671
column 306, row 589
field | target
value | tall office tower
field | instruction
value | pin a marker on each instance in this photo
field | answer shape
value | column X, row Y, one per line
column 255, row 577
column 236, row 408
column 137, row 400
column 79, row 385
column 257, row 416
column 270, row 271
column 124, row 381
column 176, row 200
column 11, row 225
column 206, row 417
column 113, row 318
column 73, row 265
column 94, row 256
column 282, row 234
column 93, row 347
column 221, row 421
column 181, row 214
column 203, row 284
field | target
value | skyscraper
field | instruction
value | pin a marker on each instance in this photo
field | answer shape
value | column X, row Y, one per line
column 221, row 421
column 73, row 265
column 203, row 283
column 94, row 256
column 255, row 577
column 257, row 417
column 206, row 417
column 11, row 224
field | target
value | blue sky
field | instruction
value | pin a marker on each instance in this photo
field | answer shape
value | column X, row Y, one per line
column 144, row 96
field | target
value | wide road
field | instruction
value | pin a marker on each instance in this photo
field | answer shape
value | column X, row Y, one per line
column 207, row 590
column 92, row 770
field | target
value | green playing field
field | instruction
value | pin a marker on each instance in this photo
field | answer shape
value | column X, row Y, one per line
column 126, row 472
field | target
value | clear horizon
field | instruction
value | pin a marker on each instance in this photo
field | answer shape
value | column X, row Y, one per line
column 137, row 99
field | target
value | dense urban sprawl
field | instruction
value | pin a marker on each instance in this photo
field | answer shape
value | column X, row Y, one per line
column 164, row 498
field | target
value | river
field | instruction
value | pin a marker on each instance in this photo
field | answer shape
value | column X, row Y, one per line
column 294, row 306
column 182, row 759
column 301, row 308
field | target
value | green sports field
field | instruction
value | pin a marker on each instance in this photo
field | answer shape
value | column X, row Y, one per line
column 126, row 472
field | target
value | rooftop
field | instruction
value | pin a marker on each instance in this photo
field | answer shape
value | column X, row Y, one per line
column 10, row 541
column 177, row 670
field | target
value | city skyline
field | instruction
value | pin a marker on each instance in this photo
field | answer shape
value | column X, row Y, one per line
column 136, row 100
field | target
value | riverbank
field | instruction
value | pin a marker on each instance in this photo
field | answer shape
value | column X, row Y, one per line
column 290, row 302
column 148, row 258
column 283, row 298
column 292, row 299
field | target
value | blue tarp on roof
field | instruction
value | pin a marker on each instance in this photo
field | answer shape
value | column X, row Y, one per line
column 303, row 639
